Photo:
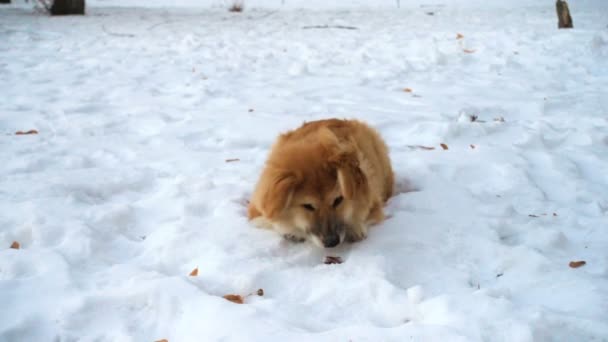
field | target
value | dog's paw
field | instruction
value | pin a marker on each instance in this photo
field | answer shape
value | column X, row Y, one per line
column 293, row 238
column 355, row 235
column 261, row 222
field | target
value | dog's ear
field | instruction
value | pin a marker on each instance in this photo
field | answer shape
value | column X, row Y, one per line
column 351, row 178
column 278, row 193
column 328, row 139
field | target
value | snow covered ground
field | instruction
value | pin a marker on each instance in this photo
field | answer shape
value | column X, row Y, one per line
column 126, row 188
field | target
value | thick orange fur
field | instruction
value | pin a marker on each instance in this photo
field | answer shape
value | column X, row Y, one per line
column 326, row 180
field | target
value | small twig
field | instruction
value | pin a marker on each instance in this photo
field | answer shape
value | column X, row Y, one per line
column 330, row 27
column 128, row 35
column 266, row 15
column 421, row 147
column 166, row 22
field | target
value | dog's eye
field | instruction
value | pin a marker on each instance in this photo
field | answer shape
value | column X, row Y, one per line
column 308, row 207
column 337, row 201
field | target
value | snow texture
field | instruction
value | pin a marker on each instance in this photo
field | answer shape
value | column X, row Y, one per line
column 126, row 188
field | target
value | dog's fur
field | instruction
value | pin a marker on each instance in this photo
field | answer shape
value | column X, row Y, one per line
column 327, row 180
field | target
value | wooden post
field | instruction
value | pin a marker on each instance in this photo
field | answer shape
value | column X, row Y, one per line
column 64, row 7
column 563, row 15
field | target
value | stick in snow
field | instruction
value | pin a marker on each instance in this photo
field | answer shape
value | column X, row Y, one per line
column 329, row 27
column 563, row 14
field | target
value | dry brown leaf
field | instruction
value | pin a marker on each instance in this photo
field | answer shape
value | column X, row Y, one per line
column 163, row 340
column 407, row 90
column 576, row 264
column 472, row 146
column 31, row 131
column 330, row 260
column 468, row 51
column 234, row 298
column 194, row 272
column 459, row 36
column 444, row 146
column 15, row 245
column 232, row 160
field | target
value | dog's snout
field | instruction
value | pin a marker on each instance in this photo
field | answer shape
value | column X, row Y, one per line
column 328, row 233
column 331, row 241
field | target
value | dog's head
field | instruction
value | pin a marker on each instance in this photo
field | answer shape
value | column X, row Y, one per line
column 313, row 188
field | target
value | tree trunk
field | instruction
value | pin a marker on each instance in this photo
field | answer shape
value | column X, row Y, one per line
column 5, row 1
column 63, row 7
column 563, row 15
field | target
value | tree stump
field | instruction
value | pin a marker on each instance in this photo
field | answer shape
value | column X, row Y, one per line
column 65, row 7
column 563, row 15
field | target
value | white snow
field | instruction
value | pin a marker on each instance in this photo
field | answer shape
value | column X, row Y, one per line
column 125, row 190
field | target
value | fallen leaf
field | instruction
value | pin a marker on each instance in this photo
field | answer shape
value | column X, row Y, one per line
column 232, row 160
column 444, row 146
column 163, row 340
column 554, row 214
column 330, row 260
column 459, row 36
column 15, row 245
column 468, row 51
column 250, row 110
column 532, row 215
column 499, row 119
column 472, row 146
column 31, row 131
column 194, row 272
column 473, row 118
column 234, row 298
column 576, row 264
column 407, row 90
column 420, row 147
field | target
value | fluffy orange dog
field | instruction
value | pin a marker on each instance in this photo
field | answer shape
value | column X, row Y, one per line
column 327, row 180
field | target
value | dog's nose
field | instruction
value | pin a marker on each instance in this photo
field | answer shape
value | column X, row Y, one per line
column 331, row 241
